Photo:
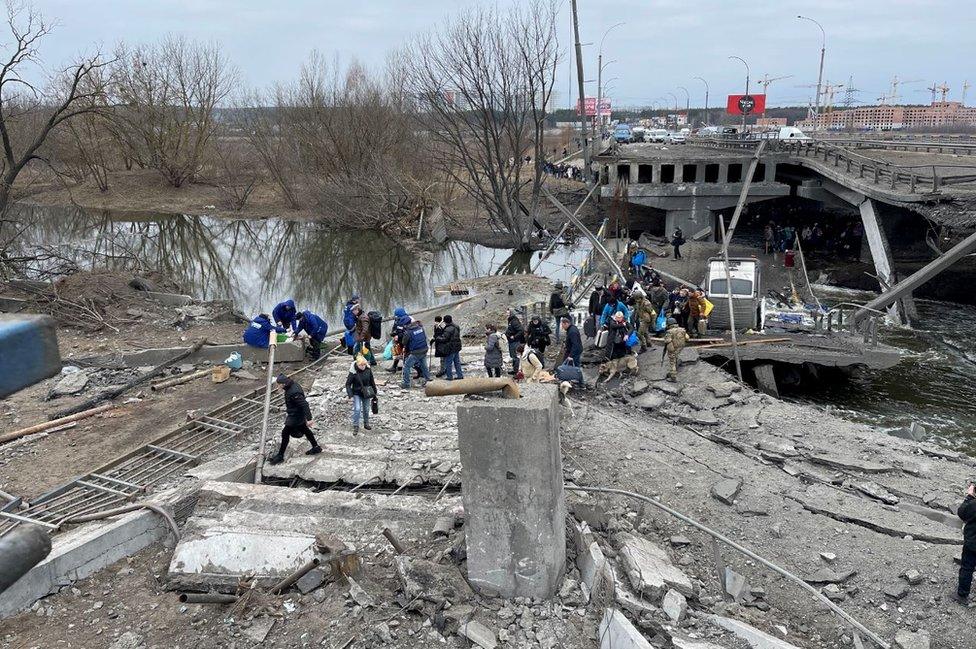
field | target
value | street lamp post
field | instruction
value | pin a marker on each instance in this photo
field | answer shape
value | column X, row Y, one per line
column 675, row 97
column 739, row 58
column 706, row 99
column 598, row 118
column 687, row 104
column 823, row 49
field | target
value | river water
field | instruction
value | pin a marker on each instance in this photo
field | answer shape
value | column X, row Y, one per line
column 257, row 263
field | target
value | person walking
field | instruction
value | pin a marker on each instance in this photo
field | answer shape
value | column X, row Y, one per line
column 674, row 341
column 298, row 419
column 350, row 314
column 316, row 328
column 515, row 334
column 696, row 310
column 574, row 343
column 537, row 335
column 450, row 338
column 493, row 351
column 438, row 342
column 362, row 335
column 646, row 317
column 258, row 333
column 414, row 343
column 361, row 388
column 558, row 307
column 967, row 512
column 677, row 240
column 659, row 295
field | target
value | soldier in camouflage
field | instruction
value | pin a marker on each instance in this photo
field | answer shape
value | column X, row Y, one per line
column 674, row 341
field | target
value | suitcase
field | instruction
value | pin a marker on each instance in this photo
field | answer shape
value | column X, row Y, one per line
column 602, row 338
column 589, row 327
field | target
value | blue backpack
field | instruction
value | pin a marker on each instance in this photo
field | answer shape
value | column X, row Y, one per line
column 633, row 340
column 639, row 258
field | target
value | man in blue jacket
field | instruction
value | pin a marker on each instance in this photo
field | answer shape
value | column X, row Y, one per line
column 285, row 314
column 258, row 333
column 413, row 339
column 967, row 512
column 316, row 328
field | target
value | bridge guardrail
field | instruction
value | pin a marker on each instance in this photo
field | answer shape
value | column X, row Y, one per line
column 913, row 179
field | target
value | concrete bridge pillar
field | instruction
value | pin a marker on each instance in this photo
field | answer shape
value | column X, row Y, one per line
column 656, row 174
column 690, row 221
column 877, row 240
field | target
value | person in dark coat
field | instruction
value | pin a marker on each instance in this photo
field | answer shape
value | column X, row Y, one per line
column 595, row 307
column 258, row 333
column 298, row 419
column 515, row 333
column 677, row 240
column 413, row 339
column 558, row 308
column 449, row 340
column 316, row 328
column 574, row 343
column 438, row 342
column 350, row 314
column 967, row 512
column 361, row 388
column 537, row 335
column 284, row 315
column 659, row 296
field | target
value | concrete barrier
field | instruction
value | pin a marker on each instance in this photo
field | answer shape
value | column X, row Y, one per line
column 290, row 352
column 28, row 351
column 512, row 488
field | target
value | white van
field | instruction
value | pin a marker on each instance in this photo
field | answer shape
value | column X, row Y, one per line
column 784, row 133
column 746, row 292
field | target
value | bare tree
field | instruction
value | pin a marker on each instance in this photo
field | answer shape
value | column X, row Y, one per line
column 482, row 84
column 236, row 172
column 30, row 114
column 166, row 96
column 264, row 122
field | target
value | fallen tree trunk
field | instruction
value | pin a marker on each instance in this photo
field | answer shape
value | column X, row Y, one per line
column 142, row 378
column 54, row 423
column 479, row 385
column 182, row 378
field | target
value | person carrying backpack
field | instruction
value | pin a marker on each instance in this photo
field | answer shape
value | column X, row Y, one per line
column 558, row 307
column 349, row 318
column 515, row 334
column 449, row 338
column 414, row 342
column 537, row 335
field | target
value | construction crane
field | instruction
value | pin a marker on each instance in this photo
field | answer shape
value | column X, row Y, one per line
column 895, row 82
column 944, row 89
column 764, row 82
column 933, row 89
column 965, row 87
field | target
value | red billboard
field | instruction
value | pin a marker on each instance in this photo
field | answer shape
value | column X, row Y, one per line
column 589, row 106
column 746, row 104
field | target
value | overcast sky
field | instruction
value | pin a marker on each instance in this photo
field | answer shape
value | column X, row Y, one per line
column 663, row 45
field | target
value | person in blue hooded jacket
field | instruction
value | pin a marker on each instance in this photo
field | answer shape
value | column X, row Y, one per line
column 611, row 308
column 316, row 328
column 258, row 333
column 350, row 314
column 285, row 314
column 400, row 320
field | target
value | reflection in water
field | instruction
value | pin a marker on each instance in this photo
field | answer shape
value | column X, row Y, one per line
column 257, row 263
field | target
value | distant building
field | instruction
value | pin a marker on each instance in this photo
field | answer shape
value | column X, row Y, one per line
column 771, row 122
column 887, row 118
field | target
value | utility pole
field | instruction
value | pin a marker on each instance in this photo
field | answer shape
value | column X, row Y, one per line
column 587, row 170
column 765, row 84
column 965, row 87
column 687, row 105
column 823, row 50
column 706, row 99
column 738, row 58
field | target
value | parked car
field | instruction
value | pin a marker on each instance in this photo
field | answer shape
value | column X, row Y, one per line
column 677, row 138
column 623, row 134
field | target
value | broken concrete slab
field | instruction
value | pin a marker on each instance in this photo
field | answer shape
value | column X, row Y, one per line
column 237, row 466
column 876, row 491
column 828, row 576
column 479, row 634
column 844, row 507
column 736, row 585
column 757, row 639
column 649, row 568
column 241, row 529
column 431, row 582
column 596, row 572
column 616, row 632
column 639, row 387
column 905, row 639
column 848, row 463
column 515, row 507
column 651, row 401
column 169, row 299
column 259, row 628
column 724, row 389
column 895, row 590
column 675, row 606
column 69, row 384
column 726, row 490
column 681, row 642
column 311, row 580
